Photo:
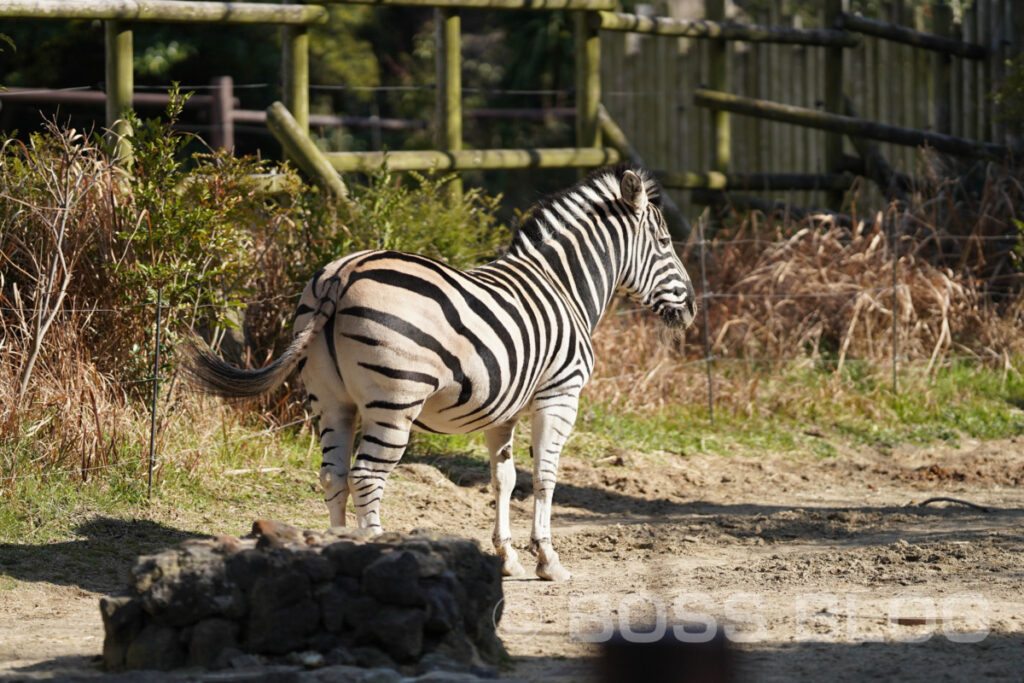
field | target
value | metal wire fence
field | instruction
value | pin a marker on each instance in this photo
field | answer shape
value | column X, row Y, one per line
column 709, row 359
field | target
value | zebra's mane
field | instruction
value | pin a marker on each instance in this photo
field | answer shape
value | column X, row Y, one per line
column 535, row 228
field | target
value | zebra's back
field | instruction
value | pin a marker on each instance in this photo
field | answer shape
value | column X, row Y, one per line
column 469, row 347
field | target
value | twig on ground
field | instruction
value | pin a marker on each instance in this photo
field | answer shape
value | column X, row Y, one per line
column 946, row 499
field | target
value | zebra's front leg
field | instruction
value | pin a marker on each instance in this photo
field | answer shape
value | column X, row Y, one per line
column 503, row 481
column 551, row 429
column 385, row 437
column 337, row 427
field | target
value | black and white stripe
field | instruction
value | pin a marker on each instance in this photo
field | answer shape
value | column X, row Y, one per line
column 407, row 343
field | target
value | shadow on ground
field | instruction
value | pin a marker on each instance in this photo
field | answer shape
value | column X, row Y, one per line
column 98, row 561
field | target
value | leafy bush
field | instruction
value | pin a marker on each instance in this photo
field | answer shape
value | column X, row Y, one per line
column 86, row 245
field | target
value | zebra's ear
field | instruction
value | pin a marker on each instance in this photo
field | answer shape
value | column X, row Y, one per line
column 633, row 191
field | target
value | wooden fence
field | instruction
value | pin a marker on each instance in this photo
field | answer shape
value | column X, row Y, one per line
column 650, row 83
column 783, row 98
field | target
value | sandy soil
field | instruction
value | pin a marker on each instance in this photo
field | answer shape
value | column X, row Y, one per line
column 808, row 569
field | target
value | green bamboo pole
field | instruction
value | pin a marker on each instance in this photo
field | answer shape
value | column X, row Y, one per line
column 718, row 74
column 847, row 125
column 295, row 72
column 713, row 180
column 491, row 4
column 449, row 82
column 301, row 149
column 909, row 36
column 833, row 97
column 588, row 82
column 120, row 84
column 722, row 30
column 482, row 159
column 164, row 11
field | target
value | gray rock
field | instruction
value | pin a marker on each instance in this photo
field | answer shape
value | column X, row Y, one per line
column 122, row 621
column 282, row 613
column 394, row 579
column 350, row 558
column 209, row 639
column 423, row 602
column 156, row 647
column 396, row 630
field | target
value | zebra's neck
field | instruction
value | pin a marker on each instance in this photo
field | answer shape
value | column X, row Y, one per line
column 574, row 244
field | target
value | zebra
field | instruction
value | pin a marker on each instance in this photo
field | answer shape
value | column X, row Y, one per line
column 405, row 343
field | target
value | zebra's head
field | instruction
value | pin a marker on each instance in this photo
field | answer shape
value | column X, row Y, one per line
column 653, row 273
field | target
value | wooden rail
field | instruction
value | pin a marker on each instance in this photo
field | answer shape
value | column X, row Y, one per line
column 686, row 28
column 847, row 124
column 489, row 4
column 713, row 180
column 165, row 11
column 97, row 97
column 908, row 36
column 479, row 159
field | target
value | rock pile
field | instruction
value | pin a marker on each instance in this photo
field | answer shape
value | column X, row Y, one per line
column 339, row 597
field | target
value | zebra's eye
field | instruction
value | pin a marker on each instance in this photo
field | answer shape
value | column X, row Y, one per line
column 665, row 242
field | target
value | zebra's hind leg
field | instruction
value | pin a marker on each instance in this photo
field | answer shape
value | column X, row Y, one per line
column 385, row 437
column 551, row 428
column 503, row 480
column 337, row 428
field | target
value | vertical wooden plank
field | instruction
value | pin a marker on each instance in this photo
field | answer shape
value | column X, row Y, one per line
column 994, row 65
column 816, row 138
column 977, row 72
column 686, row 75
column 752, row 159
column 968, row 115
column 643, row 84
column 833, row 96
column 223, row 136
column 718, row 73
column 700, row 121
column 120, row 85
column 765, row 129
column 588, row 81
column 661, row 104
column 771, row 84
column 923, row 96
column 448, row 62
column 942, row 19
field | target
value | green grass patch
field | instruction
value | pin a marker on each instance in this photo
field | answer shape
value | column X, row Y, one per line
column 220, row 484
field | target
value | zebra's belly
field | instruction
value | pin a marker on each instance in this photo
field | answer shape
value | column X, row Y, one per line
column 438, row 416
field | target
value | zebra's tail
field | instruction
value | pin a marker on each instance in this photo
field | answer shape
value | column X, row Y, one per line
column 209, row 373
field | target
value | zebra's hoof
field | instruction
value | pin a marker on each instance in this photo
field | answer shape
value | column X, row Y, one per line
column 553, row 571
column 512, row 567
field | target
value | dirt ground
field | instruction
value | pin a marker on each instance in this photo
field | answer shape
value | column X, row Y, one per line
column 808, row 569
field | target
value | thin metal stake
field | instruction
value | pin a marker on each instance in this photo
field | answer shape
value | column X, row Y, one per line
column 156, row 391
column 704, row 309
column 895, row 316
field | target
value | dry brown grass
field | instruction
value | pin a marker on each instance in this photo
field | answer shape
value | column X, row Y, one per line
column 75, row 353
column 814, row 292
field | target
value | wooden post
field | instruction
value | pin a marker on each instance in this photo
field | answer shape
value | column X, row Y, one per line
column 120, row 84
column 295, row 72
column 718, row 74
column 301, row 149
column 588, row 81
column 834, row 98
column 449, row 86
column 221, row 118
column 942, row 20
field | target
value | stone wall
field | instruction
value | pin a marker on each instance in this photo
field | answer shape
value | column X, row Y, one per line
column 344, row 597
